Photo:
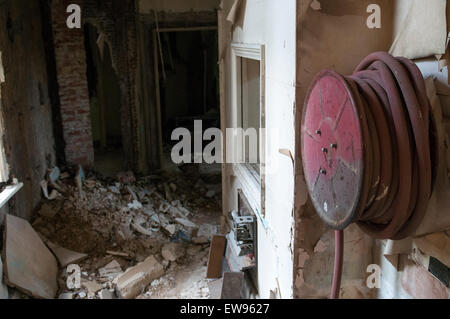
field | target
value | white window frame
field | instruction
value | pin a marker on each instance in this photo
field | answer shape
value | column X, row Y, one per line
column 253, row 188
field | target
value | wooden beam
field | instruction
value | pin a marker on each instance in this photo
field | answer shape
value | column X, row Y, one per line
column 158, row 97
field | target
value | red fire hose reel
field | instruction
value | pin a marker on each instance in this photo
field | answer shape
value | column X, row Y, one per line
column 367, row 142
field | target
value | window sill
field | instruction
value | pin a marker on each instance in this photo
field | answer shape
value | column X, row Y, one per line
column 250, row 186
column 8, row 193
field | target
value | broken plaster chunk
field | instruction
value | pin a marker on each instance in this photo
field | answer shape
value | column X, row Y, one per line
column 173, row 251
column 92, row 287
column 82, row 295
column 65, row 256
column 67, row 295
column 211, row 193
column 111, row 270
column 170, row 229
column 135, row 205
column 107, row 294
column 190, row 226
column 136, row 279
column 315, row 5
column 141, row 230
column 164, row 207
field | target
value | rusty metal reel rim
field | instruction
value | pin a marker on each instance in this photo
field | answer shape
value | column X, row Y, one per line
column 354, row 209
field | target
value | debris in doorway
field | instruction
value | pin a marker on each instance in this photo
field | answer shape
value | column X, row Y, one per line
column 173, row 251
column 129, row 224
column 126, row 178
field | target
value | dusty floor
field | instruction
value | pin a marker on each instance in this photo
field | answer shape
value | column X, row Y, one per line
column 135, row 219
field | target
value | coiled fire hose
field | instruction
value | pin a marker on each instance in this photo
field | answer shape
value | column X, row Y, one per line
column 367, row 148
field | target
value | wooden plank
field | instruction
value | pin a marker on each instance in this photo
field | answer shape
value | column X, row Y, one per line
column 29, row 265
column 232, row 285
column 158, row 98
column 216, row 253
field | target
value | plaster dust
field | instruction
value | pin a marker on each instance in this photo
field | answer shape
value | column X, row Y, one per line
column 126, row 223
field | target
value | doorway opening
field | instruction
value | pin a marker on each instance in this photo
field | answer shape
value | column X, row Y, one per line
column 105, row 103
column 189, row 85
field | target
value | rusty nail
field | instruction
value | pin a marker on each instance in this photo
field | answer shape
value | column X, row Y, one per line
column 319, row 132
column 334, row 146
column 325, row 150
column 322, row 171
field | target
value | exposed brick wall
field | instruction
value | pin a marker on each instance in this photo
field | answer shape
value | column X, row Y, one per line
column 117, row 20
column 70, row 57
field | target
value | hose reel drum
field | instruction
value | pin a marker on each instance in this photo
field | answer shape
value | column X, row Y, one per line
column 369, row 149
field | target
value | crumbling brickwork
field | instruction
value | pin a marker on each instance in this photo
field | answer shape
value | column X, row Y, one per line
column 70, row 57
column 116, row 19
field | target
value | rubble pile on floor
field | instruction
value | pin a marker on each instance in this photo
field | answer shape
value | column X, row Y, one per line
column 145, row 238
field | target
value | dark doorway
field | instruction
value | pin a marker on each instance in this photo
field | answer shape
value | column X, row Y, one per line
column 189, row 81
column 105, row 103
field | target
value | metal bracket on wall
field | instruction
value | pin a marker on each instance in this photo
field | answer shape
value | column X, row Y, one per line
column 243, row 229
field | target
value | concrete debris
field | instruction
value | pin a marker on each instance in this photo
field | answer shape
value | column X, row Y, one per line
column 67, row 295
column 118, row 224
column 111, row 270
column 65, row 256
column 53, row 174
column 170, row 229
column 210, row 194
column 126, row 177
column 132, row 193
column 45, row 191
column 173, row 251
column 142, row 230
column 136, row 279
column 135, row 205
column 164, row 207
column 92, row 286
column 189, row 226
column 107, row 294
